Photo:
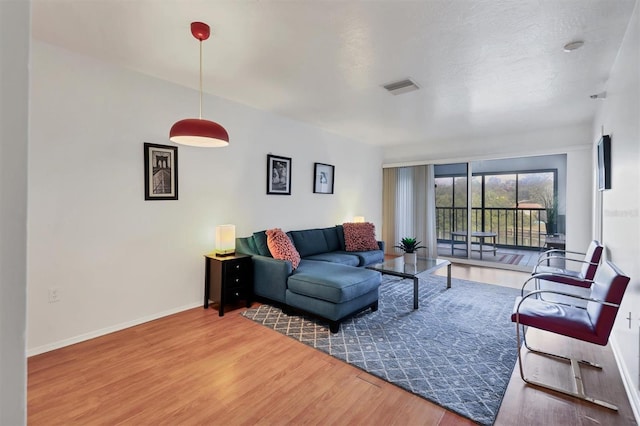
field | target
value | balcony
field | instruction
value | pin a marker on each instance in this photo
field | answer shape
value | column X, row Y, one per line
column 519, row 231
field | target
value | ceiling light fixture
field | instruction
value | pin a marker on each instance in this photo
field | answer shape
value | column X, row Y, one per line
column 574, row 45
column 196, row 131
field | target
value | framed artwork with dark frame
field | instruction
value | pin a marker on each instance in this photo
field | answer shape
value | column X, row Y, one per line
column 323, row 178
column 160, row 172
column 278, row 175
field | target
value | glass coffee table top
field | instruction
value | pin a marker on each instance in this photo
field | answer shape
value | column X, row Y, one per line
column 399, row 268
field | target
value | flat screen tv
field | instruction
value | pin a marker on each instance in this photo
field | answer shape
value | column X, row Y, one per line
column 604, row 163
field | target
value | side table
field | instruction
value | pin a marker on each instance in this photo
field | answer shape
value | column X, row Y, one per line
column 227, row 279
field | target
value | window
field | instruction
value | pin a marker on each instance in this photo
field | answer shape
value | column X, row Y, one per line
column 518, row 206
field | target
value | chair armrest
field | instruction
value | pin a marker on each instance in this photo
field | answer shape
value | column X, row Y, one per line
column 547, row 253
column 561, row 293
column 381, row 245
column 550, row 277
column 566, row 259
column 527, row 281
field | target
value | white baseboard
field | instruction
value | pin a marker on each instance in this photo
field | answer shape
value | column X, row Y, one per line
column 632, row 393
column 97, row 333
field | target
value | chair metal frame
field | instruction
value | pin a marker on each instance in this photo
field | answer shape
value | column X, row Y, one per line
column 536, row 278
column 581, row 280
column 578, row 391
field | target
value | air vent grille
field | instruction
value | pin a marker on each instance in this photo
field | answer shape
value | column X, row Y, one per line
column 402, row 86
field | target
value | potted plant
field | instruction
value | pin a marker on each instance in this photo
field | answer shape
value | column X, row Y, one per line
column 409, row 246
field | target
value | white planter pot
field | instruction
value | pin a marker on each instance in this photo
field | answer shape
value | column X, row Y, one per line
column 410, row 258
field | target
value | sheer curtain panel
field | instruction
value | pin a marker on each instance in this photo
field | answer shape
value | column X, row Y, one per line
column 409, row 207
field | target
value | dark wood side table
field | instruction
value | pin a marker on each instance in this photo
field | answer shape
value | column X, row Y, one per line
column 227, row 279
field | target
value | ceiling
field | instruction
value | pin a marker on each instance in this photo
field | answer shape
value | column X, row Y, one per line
column 484, row 67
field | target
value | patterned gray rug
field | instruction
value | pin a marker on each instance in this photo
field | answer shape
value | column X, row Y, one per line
column 458, row 350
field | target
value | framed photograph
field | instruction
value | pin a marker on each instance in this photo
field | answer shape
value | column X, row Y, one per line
column 160, row 172
column 323, row 178
column 278, row 175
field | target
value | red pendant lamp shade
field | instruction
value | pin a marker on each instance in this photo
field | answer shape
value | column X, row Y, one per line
column 199, row 132
column 196, row 131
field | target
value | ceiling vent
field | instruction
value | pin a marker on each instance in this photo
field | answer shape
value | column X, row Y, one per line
column 402, row 86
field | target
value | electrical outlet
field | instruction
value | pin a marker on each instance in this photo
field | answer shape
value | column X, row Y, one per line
column 54, row 294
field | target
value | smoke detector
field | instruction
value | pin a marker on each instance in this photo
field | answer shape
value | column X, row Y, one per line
column 402, row 86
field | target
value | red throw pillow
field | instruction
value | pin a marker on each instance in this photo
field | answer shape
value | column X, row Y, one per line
column 281, row 247
column 360, row 236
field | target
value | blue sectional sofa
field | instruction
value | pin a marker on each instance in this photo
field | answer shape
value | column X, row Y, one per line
column 329, row 282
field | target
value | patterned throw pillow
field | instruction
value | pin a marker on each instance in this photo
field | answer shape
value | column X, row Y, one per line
column 360, row 236
column 281, row 247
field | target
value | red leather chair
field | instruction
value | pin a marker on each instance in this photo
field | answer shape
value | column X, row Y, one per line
column 583, row 277
column 591, row 324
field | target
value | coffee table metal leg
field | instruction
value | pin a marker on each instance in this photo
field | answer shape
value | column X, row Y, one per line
column 449, row 276
column 415, row 292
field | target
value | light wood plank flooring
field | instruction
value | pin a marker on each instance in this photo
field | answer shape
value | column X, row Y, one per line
column 197, row 368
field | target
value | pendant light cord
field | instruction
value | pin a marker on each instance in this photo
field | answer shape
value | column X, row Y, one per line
column 200, row 80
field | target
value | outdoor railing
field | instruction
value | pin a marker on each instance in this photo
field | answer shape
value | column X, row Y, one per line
column 514, row 227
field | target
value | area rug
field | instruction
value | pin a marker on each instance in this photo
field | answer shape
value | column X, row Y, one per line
column 511, row 259
column 457, row 350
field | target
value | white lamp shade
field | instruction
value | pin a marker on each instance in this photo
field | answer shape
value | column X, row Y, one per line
column 225, row 239
column 358, row 219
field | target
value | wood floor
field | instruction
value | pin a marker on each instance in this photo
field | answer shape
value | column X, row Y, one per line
column 197, row 368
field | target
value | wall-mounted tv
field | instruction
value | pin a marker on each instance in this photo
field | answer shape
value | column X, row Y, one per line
column 604, row 163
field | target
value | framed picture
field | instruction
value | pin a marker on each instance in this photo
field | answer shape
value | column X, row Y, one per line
column 323, row 178
column 160, row 172
column 278, row 175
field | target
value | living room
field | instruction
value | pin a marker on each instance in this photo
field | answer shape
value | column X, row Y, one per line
column 74, row 161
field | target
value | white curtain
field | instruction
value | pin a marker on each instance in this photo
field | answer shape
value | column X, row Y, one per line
column 409, row 207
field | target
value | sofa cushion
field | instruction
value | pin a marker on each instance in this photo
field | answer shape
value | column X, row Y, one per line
column 246, row 245
column 310, row 242
column 260, row 238
column 342, row 258
column 368, row 257
column 329, row 310
column 340, row 232
column 331, row 236
column 360, row 236
column 332, row 282
column 281, row 247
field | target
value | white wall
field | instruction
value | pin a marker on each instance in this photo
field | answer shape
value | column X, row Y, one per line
column 14, row 95
column 119, row 259
column 575, row 141
column 620, row 115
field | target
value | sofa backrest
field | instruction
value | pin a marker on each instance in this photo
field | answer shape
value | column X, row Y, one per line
column 307, row 241
column 260, row 240
column 313, row 241
column 333, row 238
column 246, row 245
column 340, row 233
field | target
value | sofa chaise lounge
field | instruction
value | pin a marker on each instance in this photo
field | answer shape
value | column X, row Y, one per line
column 330, row 282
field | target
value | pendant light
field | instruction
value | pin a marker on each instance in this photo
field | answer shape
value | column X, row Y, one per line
column 196, row 131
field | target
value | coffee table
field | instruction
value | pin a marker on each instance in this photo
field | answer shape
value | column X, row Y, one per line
column 398, row 268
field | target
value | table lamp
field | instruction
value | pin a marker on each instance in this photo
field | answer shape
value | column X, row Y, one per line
column 225, row 240
column 358, row 219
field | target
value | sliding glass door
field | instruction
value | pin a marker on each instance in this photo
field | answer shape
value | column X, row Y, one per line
column 499, row 211
column 452, row 211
